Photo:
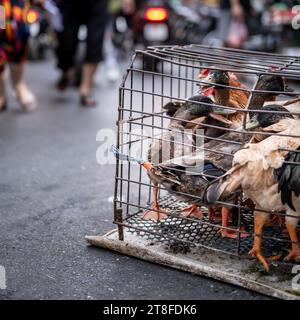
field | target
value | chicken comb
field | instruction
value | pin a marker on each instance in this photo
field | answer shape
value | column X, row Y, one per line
column 204, row 72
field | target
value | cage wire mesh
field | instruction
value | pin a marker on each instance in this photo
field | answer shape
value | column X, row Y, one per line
column 164, row 74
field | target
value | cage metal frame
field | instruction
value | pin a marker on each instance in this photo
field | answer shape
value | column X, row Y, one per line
column 184, row 64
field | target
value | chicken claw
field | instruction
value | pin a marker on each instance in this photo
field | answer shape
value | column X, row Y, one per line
column 293, row 255
column 256, row 253
column 156, row 214
column 192, row 211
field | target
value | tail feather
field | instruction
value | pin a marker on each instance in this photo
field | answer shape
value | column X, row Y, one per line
column 288, row 177
column 223, row 188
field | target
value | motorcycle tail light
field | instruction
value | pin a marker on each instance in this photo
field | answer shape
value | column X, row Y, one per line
column 156, row 14
column 32, row 16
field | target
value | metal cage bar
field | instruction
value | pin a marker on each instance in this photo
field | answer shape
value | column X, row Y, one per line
column 172, row 75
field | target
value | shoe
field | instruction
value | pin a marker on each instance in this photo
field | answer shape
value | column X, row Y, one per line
column 26, row 98
column 3, row 107
column 88, row 101
column 63, row 82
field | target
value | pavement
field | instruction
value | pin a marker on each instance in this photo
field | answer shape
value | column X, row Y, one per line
column 53, row 193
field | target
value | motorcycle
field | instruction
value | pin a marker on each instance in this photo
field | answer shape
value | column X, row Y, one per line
column 194, row 25
column 151, row 25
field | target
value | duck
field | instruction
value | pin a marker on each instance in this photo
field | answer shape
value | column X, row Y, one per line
column 183, row 115
column 184, row 182
column 268, row 173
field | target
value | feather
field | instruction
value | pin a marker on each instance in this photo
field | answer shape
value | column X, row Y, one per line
column 288, row 177
column 261, row 172
column 282, row 125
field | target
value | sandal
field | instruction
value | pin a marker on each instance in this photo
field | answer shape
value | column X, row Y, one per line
column 26, row 99
column 4, row 106
column 88, row 101
column 63, row 82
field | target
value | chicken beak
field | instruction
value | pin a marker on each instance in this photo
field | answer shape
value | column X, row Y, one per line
column 207, row 88
column 252, row 124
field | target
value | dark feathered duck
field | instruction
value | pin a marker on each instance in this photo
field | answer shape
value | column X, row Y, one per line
column 184, row 115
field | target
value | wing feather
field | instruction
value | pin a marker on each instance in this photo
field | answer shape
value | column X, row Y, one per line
column 289, row 178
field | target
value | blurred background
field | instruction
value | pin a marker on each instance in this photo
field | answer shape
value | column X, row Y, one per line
column 67, row 33
column 266, row 26
column 263, row 25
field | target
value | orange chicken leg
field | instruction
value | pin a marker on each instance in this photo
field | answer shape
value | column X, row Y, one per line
column 224, row 231
column 260, row 220
column 157, row 213
column 295, row 251
column 192, row 211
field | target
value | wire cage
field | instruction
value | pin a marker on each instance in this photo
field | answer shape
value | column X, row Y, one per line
column 165, row 74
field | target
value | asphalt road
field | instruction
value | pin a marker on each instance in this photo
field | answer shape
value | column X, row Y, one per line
column 53, row 193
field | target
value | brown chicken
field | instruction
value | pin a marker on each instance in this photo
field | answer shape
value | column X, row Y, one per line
column 235, row 98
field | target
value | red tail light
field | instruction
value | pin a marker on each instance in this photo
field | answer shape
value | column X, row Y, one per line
column 156, row 14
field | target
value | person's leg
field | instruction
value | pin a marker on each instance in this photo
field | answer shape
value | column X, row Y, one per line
column 67, row 41
column 22, row 92
column 3, row 104
column 16, row 60
column 95, row 22
column 15, row 50
column 88, row 72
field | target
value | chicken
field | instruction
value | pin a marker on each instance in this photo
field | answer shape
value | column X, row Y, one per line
column 268, row 174
column 237, row 98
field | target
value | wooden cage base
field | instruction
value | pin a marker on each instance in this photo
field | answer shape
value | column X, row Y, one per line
column 203, row 262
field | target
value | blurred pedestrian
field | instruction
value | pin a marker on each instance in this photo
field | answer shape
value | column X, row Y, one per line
column 92, row 14
column 13, row 48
